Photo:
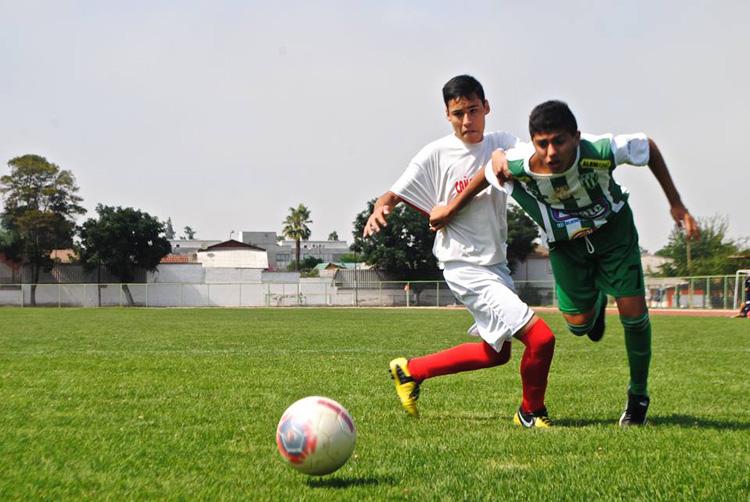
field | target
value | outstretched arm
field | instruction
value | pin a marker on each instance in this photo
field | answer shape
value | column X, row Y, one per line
column 679, row 212
column 377, row 219
column 441, row 215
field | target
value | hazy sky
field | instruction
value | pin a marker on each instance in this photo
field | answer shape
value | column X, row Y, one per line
column 223, row 114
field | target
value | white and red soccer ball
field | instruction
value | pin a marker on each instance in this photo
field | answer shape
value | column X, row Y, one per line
column 316, row 435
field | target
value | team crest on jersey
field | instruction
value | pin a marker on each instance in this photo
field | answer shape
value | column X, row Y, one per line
column 562, row 193
column 589, row 180
column 595, row 163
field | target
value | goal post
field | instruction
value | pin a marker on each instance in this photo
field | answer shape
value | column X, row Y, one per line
column 737, row 276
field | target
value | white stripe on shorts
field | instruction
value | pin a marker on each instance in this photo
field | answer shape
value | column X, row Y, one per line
column 488, row 293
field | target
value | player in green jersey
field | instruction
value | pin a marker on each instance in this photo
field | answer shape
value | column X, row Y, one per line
column 564, row 181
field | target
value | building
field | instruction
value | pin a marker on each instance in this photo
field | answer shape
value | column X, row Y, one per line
column 233, row 254
column 281, row 253
column 278, row 257
column 190, row 246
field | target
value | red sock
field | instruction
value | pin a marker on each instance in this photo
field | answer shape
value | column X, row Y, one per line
column 540, row 345
column 464, row 357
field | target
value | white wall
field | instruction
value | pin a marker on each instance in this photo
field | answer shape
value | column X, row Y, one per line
column 234, row 258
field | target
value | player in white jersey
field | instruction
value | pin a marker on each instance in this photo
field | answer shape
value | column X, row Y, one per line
column 471, row 252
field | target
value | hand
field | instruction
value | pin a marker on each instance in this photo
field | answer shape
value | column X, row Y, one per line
column 500, row 166
column 685, row 221
column 439, row 217
column 376, row 220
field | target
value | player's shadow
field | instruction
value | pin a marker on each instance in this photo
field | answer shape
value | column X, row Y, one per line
column 348, row 482
column 698, row 422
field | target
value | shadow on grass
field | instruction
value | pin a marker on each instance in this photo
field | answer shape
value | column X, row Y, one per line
column 698, row 422
column 661, row 420
column 348, row 482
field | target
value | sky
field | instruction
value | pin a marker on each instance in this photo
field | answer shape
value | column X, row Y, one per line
column 222, row 115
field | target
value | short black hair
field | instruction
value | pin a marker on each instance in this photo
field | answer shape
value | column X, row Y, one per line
column 462, row 86
column 551, row 116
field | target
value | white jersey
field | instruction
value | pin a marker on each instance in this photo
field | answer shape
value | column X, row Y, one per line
column 437, row 174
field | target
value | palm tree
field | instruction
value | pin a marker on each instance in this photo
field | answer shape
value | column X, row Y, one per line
column 295, row 227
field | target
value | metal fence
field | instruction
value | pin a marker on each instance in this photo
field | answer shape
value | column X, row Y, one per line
column 708, row 292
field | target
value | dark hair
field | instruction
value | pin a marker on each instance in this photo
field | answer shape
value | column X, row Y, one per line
column 462, row 86
column 551, row 116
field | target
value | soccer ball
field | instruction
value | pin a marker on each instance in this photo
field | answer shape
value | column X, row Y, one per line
column 316, row 435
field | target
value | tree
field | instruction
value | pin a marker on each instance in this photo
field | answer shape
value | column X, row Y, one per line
column 307, row 267
column 295, row 227
column 404, row 246
column 709, row 255
column 169, row 232
column 189, row 233
column 124, row 240
column 333, row 236
column 40, row 210
column 522, row 232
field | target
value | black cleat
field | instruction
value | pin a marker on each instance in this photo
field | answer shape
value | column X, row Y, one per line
column 635, row 412
column 597, row 332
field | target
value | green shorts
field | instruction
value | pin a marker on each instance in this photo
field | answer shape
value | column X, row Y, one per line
column 611, row 263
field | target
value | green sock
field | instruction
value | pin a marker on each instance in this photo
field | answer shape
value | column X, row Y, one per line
column 638, row 345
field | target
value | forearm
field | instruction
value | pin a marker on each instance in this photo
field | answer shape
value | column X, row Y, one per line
column 389, row 199
column 476, row 185
column 661, row 173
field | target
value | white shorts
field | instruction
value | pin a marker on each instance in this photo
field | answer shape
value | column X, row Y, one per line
column 488, row 293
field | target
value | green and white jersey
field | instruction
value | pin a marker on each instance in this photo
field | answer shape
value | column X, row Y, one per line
column 576, row 202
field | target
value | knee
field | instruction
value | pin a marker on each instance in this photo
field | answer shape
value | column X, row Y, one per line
column 540, row 337
column 504, row 355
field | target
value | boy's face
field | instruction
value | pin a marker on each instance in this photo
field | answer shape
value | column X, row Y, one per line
column 466, row 115
column 556, row 149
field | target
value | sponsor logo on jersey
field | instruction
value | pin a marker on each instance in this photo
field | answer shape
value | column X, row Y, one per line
column 598, row 210
column 462, row 184
column 596, row 163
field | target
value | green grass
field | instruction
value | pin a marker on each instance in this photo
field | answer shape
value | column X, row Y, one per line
column 183, row 404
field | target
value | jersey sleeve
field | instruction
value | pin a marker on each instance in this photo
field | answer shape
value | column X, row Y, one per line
column 630, row 149
column 418, row 184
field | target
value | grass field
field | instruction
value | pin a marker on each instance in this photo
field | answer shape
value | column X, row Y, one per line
column 183, row 404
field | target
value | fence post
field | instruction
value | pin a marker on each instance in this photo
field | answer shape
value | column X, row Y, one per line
column 182, row 294
column 707, row 304
column 725, row 292
column 208, row 295
column 147, row 305
column 299, row 294
column 380, row 293
column 59, row 295
column 691, row 290
column 408, row 293
column 437, row 292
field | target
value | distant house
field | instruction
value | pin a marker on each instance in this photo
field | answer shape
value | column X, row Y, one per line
column 233, row 254
column 535, row 268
